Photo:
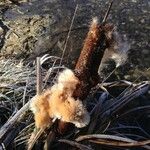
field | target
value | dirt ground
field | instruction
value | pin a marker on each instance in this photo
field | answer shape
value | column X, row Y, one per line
column 34, row 27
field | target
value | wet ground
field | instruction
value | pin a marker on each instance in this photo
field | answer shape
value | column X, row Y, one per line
column 34, row 27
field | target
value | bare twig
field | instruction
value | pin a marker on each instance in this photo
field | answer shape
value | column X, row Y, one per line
column 72, row 21
column 114, row 138
column 39, row 76
column 102, row 136
column 107, row 13
column 36, row 133
column 24, row 93
column 34, row 136
column 123, row 144
column 76, row 144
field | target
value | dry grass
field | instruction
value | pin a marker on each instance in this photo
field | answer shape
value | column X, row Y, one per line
column 117, row 109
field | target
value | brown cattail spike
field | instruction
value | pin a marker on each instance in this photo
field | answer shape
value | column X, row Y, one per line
column 90, row 44
column 90, row 57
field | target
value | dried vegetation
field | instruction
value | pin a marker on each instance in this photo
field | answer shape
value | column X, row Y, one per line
column 119, row 110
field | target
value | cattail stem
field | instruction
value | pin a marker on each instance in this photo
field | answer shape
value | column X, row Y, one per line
column 88, row 63
column 89, row 60
column 107, row 12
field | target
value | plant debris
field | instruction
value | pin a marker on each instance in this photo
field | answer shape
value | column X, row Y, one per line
column 73, row 108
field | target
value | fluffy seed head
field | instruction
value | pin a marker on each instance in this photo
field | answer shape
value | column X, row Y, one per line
column 58, row 103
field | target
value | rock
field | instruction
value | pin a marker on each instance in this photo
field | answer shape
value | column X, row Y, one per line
column 23, row 35
column 42, row 26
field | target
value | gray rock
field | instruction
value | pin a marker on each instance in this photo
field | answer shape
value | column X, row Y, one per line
column 41, row 26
